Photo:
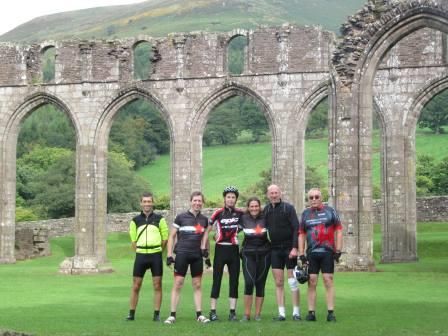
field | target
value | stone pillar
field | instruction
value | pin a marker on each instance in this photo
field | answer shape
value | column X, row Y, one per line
column 351, row 178
column 90, row 219
column 186, row 168
column 399, row 235
column 7, row 196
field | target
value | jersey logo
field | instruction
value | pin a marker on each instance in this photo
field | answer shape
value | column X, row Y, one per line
column 258, row 230
column 198, row 228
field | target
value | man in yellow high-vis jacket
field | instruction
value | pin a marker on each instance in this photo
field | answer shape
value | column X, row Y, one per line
column 149, row 235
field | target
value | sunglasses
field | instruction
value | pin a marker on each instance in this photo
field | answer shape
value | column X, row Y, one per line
column 316, row 197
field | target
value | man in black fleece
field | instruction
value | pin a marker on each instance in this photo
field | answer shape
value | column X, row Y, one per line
column 283, row 225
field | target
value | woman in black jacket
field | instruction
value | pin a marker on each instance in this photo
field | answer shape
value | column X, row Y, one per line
column 256, row 256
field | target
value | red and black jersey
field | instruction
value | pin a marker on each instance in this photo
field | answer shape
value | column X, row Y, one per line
column 320, row 225
column 226, row 221
column 190, row 229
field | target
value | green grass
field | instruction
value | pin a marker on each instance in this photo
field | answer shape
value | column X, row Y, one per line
column 399, row 299
column 244, row 162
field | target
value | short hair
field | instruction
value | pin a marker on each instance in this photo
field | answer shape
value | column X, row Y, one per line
column 252, row 199
column 147, row 194
column 197, row 193
column 315, row 189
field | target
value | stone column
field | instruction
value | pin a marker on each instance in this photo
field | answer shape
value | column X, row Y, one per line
column 351, row 179
column 7, row 193
column 399, row 238
column 90, row 219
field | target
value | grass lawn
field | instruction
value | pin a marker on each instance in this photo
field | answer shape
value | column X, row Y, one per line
column 241, row 164
column 399, row 299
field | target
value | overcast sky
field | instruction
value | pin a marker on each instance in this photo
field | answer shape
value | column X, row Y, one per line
column 16, row 12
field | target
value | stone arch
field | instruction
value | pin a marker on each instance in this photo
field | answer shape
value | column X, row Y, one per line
column 421, row 98
column 199, row 120
column 8, row 172
column 367, row 38
column 124, row 97
column 299, row 121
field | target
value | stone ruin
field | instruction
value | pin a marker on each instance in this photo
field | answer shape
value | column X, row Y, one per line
column 391, row 58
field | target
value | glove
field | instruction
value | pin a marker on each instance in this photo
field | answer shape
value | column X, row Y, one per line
column 169, row 261
column 337, row 256
column 204, row 253
column 303, row 259
column 208, row 263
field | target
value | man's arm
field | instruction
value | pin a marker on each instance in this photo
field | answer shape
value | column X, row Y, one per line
column 163, row 228
column 133, row 235
column 339, row 239
column 170, row 244
column 295, row 227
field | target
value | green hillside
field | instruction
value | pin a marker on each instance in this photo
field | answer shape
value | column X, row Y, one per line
column 246, row 161
column 161, row 17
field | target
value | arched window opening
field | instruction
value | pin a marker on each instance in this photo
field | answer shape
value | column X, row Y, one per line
column 316, row 149
column 46, row 166
column 431, row 144
column 236, row 53
column 237, row 132
column 142, row 60
column 138, row 159
column 48, row 64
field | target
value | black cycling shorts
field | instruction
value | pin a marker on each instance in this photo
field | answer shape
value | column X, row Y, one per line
column 183, row 260
column 320, row 261
column 280, row 259
column 144, row 261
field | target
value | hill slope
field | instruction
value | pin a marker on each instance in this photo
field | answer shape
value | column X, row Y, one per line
column 160, row 17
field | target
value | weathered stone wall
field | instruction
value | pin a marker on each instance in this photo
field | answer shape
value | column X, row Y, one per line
column 429, row 209
column 32, row 241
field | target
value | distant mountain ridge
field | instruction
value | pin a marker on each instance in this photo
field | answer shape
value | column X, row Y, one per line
column 161, row 17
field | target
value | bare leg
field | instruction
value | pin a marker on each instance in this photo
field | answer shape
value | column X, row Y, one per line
column 247, row 304
column 197, row 293
column 175, row 292
column 294, row 294
column 213, row 303
column 329, row 286
column 279, row 286
column 312, row 284
column 157, row 285
column 135, row 291
column 258, row 305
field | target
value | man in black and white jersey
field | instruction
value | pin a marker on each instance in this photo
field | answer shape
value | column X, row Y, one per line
column 189, row 227
column 283, row 225
column 225, row 222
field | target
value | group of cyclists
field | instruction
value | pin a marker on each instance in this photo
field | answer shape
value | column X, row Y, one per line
column 273, row 238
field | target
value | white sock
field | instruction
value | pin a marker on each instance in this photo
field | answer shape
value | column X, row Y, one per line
column 296, row 310
column 281, row 311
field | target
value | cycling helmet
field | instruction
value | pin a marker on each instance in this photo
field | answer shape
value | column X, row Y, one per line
column 301, row 274
column 230, row 189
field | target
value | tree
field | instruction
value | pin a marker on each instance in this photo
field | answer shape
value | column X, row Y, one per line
column 140, row 132
column 435, row 114
column 46, row 127
column 124, row 187
column 318, row 120
column 440, row 177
